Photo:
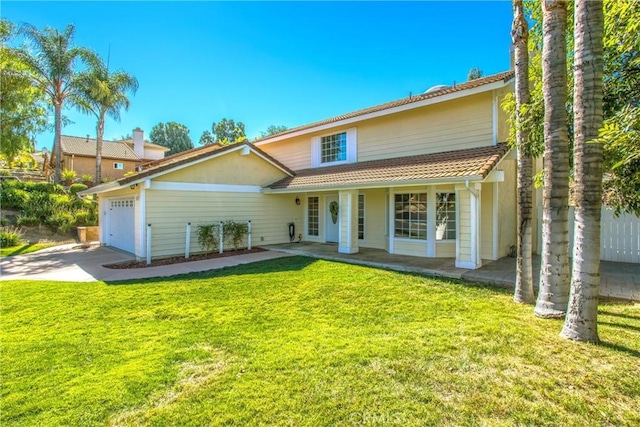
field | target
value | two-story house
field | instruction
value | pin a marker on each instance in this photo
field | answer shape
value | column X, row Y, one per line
column 118, row 157
column 428, row 175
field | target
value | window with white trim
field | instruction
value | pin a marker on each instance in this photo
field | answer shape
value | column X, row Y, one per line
column 333, row 148
column 118, row 165
column 411, row 216
column 446, row 216
column 360, row 216
column 313, row 210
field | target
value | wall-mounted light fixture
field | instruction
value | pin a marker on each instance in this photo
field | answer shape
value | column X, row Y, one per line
column 297, row 200
column 133, row 186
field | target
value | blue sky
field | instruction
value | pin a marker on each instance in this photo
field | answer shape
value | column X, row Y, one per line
column 266, row 63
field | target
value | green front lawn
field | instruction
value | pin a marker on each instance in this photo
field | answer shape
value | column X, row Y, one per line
column 24, row 248
column 297, row 341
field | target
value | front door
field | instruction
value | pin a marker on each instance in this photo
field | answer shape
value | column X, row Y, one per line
column 332, row 224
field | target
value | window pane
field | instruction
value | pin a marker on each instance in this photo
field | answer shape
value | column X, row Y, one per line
column 333, row 148
column 445, row 216
column 411, row 215
column 361, row 216
column 312, row 216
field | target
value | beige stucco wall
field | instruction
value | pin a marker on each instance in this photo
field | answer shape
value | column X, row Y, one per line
column 451, row 125
column 507, row 208
column 87, row 165
column 168, row 212
column 375, row 201
column 232, row 169
column 486, row 221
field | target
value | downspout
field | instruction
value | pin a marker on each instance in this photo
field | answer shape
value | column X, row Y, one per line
column 466, row 184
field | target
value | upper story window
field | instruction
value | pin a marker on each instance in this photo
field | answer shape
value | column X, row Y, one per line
column 334, row 148
column 118, row 165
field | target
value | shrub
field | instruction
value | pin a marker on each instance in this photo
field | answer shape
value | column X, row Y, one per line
column 87, row 177
column 235, row 232
column 68, row 175
column 208, row 237
column 14, row 198
column 28, row 220
column 77, row 187
column 86, row 217
column 61, row 221
column 47, row 187
column 60, row 199
column 10, row 236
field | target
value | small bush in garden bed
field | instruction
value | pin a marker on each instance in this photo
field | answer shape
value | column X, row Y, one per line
column 14, row 198
column 77, row 187
column 28, row 220
column 10, row 236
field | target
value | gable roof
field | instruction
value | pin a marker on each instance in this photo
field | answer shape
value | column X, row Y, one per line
column 180, row 160
column 147, row 144
column 78, row 146
column 413, row 101
column 472, row 164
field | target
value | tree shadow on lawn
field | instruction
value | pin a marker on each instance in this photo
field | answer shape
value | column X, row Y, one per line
column 278, row 265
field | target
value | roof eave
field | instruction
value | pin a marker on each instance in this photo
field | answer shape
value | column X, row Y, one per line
column 418, row 104
column 102, row 188
column 380, row 184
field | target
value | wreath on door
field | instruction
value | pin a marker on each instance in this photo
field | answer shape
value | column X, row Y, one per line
column 333, row 208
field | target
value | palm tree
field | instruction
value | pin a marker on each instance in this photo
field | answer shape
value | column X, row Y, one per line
column 52, row 64
column 581, row 321
column 524, row 278
column 103, row 93
column 553, row 292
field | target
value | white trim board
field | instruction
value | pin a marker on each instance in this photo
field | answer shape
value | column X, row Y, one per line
column 190, row 186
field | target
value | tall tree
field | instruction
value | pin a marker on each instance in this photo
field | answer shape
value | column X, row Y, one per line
column 524, row 278
column 227, row 131
column 582, row 314
column 52, row 63
column 272, row 130
column 206, row 138
column 102, row 93
column 553, row 292
column 171, row 135
column 23, row 110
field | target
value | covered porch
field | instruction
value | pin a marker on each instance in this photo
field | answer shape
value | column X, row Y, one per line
column 458, row 205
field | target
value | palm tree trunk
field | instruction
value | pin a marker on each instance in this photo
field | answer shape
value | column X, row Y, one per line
column 57, row 146
column 582, row 315
column 524, row 279
column 553, row 292
column 99, row 137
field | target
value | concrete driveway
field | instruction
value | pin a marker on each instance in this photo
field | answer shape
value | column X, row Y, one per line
column 74, row 263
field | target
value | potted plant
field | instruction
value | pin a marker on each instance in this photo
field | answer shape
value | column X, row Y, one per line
column 68, row 176
column 87, row 179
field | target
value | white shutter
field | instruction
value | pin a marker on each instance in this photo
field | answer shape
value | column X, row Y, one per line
column 352, row 145
column 315, row 151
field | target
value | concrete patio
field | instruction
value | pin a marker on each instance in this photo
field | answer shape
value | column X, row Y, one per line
column 619, row 280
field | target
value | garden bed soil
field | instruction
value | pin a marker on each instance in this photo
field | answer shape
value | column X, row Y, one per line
column 180, row 259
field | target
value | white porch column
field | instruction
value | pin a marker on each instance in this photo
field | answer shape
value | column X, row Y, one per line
column 348, row 220
column 468, row 239
column 431, row 222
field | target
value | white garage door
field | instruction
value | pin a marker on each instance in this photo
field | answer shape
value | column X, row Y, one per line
column 122, row 224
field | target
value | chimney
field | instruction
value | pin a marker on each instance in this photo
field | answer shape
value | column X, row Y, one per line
column 138, row 142
column 87, row 138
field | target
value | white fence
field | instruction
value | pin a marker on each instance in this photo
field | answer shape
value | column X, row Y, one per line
column 619, row 237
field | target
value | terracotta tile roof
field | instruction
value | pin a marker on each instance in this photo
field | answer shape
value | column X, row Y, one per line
column 147, row 144
column 193, row 155
column 457, row 165
column 79, row 146
column 504, row 76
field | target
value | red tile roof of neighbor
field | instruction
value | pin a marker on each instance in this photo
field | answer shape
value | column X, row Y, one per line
column 457, row 165
column 504, row 77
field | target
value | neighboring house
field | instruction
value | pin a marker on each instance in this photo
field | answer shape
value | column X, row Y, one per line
column 428, row 175
column 118, row 157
